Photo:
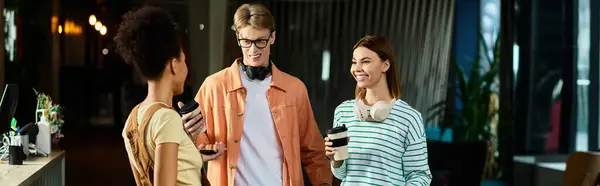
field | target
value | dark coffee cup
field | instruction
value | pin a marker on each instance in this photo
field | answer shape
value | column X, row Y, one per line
column 192, row 106
column 209, row 150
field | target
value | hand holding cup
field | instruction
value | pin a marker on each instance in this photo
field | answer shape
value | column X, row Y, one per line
column 336, row 143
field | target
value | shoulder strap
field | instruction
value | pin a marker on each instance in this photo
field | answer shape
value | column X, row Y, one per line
column 144, row 125
column 136, row 133
column 146, row 119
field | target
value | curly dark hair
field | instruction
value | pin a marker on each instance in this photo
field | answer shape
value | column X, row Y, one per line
column 147, row 39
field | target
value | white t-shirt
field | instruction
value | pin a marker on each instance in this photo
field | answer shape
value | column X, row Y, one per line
column 260, row 161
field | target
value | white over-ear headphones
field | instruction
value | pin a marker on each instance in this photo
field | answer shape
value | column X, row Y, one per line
column 379, row 111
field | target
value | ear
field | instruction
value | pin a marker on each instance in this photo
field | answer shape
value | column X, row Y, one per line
column 272, row 41
column 386, row 66
column 173, row 65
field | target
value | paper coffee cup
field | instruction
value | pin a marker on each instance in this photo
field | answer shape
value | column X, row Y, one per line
column 194, row 108
column 339, row 137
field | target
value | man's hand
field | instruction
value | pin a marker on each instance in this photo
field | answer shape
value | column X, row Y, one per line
column 194, row 126
column 220, row 146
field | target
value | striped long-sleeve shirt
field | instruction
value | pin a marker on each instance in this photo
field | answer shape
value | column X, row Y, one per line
column 392, row 152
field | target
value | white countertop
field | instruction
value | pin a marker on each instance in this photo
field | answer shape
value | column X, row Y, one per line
column 30, row 171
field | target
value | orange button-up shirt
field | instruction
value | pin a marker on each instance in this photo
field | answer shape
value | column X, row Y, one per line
column 222, row 98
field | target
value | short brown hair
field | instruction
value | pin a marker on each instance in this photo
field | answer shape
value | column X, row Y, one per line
column 255, row 15
column 384, row 50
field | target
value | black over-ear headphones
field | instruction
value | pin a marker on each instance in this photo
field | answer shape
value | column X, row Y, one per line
column 253, row 73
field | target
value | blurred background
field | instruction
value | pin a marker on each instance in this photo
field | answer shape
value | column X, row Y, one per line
column 533, row 64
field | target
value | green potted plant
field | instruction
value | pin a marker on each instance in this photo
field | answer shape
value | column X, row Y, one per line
column 476, row 90
column 474, row 121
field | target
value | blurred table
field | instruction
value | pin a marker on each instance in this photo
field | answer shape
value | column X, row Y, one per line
column 539, row 170
column 42, row 171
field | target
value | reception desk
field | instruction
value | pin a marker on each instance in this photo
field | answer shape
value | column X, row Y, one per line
column 42, row 171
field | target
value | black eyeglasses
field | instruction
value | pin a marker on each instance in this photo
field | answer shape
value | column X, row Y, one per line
column 259, row 43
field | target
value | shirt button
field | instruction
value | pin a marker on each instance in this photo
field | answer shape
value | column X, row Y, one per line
column 243, row 91
column 231, row 166
column 240, row 114
column 235, row 141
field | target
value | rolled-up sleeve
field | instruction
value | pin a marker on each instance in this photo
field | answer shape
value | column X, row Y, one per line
column 312, row 146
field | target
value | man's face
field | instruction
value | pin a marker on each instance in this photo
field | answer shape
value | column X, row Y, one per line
column 256, row 45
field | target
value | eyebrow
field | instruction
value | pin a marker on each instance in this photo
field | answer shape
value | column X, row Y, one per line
column 259, row 38
column 362, row 58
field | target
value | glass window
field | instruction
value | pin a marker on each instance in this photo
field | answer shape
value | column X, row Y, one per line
column 583, row 71
column 490, row 23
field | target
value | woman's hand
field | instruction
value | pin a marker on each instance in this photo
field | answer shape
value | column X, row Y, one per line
column 329, row 151
column 220, row 146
